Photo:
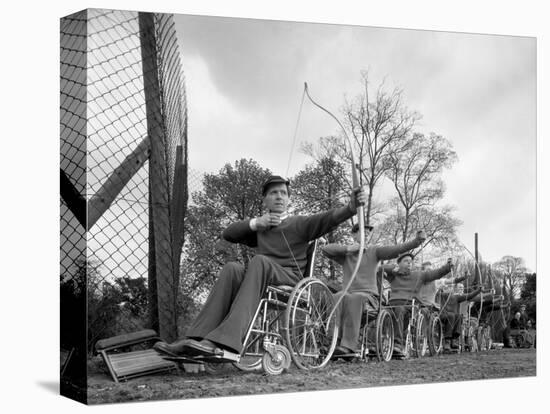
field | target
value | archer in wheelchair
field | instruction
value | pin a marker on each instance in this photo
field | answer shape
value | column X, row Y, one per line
column 231, row 314
column 361, row 307
column 429, row 297
column 405, row 285
column 455, row 314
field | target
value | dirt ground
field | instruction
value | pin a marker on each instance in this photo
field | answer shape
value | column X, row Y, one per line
column 503, row 363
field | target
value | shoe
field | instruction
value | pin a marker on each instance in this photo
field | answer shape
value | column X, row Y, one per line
column 342, row 350
column 174, row 349
column 186, row 347
column 398, row 352
column 202, row 348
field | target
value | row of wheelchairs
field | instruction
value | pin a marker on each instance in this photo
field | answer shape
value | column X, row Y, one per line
column 291, row 324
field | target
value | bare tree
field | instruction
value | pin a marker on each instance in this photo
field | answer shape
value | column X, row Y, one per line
column 379, row 126
column 415, row 172
column 439, row 223
column 513, row 272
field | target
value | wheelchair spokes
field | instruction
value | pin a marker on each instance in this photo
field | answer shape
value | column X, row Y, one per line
column 311, row 337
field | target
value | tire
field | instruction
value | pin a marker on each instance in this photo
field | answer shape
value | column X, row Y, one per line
column 471, row 339
column 384, row 336
column 435, row 336
column 310, row 336
column 421, row 336
column 251, row 359
column 488, row 335
column 461, row 340
column 275, row 364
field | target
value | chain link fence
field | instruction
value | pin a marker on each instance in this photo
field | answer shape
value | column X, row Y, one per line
column 124, row 159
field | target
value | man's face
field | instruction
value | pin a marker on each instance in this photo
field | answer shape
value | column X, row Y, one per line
column 405, row 264
column 459, row 289
column 276, row 198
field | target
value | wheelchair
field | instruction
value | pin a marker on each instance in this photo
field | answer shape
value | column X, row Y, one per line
column 376, row 334
column 290, row 324
column 415, row 329
column 433, row 326
column 383, row 335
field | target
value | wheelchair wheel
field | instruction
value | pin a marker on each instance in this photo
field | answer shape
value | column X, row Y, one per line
column 275, row 364
column 310, row 336
column 461, row 340
column 251, row 359
column 420, row 336
column 435, row 336
column 471, row 339
column 486, row 338
column 384, row 336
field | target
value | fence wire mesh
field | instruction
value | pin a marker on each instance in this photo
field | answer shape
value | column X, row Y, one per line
column 124, row 148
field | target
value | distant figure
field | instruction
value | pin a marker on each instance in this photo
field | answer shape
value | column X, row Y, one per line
column 515, row 324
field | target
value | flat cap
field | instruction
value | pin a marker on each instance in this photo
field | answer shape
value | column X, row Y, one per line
column 402, row 256
column 274, row 179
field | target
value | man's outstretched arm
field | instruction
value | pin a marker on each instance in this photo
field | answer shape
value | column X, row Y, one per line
column 468, row 296
column 391, row 252
column 334, row 251
column 431, row 275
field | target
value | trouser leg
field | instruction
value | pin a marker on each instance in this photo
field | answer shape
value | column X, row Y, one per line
column 353, row 305
column 219, row 301
column 400, row 311
column 261, row 272
column 449, row 321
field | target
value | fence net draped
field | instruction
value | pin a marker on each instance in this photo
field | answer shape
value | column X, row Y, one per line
column 124, row 152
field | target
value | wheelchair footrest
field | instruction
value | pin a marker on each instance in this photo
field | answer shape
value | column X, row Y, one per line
column 220, row 357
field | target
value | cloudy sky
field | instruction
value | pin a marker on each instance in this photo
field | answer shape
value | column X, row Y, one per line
column 244, row 81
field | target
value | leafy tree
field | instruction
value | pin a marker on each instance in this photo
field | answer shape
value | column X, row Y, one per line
column 230, row 195
column 321, row 187
column 528, row 295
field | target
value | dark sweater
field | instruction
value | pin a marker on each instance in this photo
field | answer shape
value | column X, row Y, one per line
column 450, row 302
column 365, row 281
column 286, row 244
column 407, row 285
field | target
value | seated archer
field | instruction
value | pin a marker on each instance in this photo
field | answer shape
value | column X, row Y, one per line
column 281, row 241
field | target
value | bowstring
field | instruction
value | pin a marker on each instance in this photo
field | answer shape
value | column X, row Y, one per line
column 295, row 132
column 360, row 213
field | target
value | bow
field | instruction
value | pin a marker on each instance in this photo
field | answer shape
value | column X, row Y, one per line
column 477, row 269
column 360, row 214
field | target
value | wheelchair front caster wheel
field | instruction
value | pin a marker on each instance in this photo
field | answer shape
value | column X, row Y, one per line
column 277, row 361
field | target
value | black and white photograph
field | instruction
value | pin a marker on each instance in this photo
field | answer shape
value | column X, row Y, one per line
column 319, row 206
column 285, row 211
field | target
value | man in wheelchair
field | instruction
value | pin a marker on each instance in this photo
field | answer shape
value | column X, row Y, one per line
column 429, row 295
column 519, row 334
column 363, row 292
column 405, row 285
column 451, row 314
column 281, row 241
